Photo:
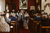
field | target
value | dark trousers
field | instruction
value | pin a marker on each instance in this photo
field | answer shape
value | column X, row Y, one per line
column 21, row 24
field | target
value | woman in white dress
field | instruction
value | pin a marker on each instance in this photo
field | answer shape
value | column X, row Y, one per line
column 4, row 27
column 26, row 19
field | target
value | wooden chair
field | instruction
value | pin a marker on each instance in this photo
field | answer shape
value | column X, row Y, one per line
column 14, row 23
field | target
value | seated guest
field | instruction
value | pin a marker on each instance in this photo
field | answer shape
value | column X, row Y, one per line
column 37, row 18
column 44, row 13
column 44, row 21
column 1, row 14
column 34, row 15
column 4, row 27
column 49, row 20
column 13, row 11
column 8, row 20
column 17, row 14
column 13, row 18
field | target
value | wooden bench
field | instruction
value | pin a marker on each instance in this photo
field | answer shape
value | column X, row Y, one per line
column 31, row 24
column 14, row 23
column 47, row 30
column 46, row 27
column 36, row 23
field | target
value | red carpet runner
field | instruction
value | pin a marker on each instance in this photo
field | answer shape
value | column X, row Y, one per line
column 24, row 31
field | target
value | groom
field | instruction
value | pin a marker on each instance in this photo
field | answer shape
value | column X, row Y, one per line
column 21, row 18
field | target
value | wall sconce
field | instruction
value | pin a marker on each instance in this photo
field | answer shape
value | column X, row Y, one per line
column 37, row 1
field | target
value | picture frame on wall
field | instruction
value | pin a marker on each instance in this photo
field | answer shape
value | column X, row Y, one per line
column 23, row 4
column 42, row 4
column 45, row 6
column 13, row 6
column 39, row 7
column 32, row 7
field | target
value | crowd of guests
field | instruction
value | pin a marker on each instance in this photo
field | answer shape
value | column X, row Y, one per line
column 36, row 17
column 22, row 18
column 45, row 19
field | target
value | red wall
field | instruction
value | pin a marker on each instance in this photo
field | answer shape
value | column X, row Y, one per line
column 30, row 3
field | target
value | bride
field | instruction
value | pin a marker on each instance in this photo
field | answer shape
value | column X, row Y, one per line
column 4, row 27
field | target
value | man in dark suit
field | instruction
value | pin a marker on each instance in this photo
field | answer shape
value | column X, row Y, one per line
column 21, row 18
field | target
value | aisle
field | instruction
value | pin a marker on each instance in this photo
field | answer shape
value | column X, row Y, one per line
column 24, row 31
